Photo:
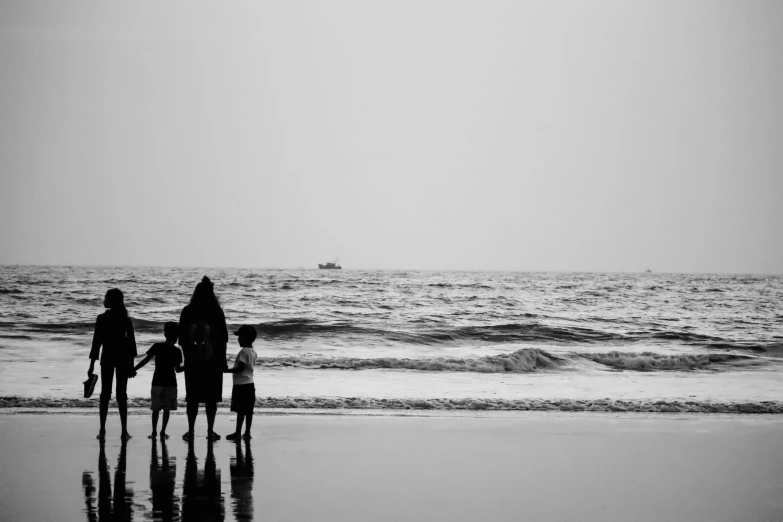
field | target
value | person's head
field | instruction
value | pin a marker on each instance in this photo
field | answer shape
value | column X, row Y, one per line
column 204, row 298
column 246, row 335
column 115, row 301
column 171, row 332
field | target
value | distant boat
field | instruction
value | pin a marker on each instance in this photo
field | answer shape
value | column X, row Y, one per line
column 649, row 271
column 330, row 266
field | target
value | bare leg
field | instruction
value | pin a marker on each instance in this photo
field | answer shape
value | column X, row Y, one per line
column 107, row 377
column 247, row 426
column 103, row 410
column 122, row 405
column 238, row 431
column 211, row 408
column 122, row 401
column 192, row 409
column 165, row 423
column 155, row 424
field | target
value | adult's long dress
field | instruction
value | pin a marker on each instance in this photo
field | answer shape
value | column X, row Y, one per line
column 204, row 379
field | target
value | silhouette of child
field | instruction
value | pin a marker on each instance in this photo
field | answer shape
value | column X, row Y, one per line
column 243, row 394
column 168, row 360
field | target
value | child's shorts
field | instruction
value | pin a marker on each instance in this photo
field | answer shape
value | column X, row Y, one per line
column 243, row 398
column 163, row 398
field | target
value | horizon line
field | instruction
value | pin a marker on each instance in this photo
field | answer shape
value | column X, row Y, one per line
column 235, row 267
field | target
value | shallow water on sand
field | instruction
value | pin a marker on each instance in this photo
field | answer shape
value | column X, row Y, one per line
column 504, row 466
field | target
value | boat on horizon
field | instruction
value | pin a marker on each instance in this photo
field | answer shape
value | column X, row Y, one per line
column 330, row 266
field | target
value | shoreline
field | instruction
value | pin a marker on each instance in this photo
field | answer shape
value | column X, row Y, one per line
column 437, row 404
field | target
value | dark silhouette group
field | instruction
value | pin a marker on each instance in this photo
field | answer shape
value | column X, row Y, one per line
column 202, row 323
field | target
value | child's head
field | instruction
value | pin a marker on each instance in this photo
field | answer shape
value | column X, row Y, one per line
column 171, row 331
column 246, row 335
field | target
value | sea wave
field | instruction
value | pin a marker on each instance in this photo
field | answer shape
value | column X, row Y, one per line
column 522, row 361
column 414, row 331
column 648, row 361
column 500, row 333
column 525, row 360
column 470, row 404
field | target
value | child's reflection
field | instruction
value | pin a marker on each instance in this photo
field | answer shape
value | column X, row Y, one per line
column 111, row 504
column 201, row 495
column 242, row 482
column 165, row 505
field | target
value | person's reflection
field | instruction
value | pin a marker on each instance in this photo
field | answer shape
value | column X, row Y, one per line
column 111, row 504
column 242, row 482
column 201, row 495
column 165, row 505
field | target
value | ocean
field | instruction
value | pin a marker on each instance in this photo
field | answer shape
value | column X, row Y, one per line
column 423, row 340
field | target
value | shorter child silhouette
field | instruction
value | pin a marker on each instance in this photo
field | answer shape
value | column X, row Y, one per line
column 168, row 360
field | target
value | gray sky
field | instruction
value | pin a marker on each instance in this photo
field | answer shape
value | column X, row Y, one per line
column 606, row 135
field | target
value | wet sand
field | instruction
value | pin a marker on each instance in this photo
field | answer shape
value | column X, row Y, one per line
column 532, row 466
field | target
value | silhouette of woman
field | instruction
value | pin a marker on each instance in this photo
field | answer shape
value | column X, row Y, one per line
column 113, row 332
column 203, row 338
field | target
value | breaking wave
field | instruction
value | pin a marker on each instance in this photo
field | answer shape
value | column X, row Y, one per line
column 648, row 361
column 521, row 361
column 525, row 360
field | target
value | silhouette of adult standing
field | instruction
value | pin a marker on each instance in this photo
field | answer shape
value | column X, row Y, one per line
column 203, row 338
column 113, row 332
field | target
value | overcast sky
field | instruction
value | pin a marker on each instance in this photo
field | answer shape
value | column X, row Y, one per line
column 420, row 134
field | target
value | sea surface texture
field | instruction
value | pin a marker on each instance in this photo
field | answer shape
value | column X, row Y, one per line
column 424, row 340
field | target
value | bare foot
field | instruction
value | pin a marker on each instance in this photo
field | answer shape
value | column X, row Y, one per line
column 153, row 435
column 232, row 436
column 247, row 436
column 188, row 436
column 213, row 436
column 163, row 435
column 125, row 436
column 101, row 435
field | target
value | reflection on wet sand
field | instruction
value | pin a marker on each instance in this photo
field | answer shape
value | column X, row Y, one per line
column 110, row 504
column 202, row 498
column 242, row 482
column 163, row 475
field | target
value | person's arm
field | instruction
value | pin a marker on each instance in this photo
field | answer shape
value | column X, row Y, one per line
column 239, row 364
column 184, row 328
column 222, row 333
column 97, row 341
column 144, row 361
column 178, row 363
column 222, row 337
column 238, row 367
column 131, row 348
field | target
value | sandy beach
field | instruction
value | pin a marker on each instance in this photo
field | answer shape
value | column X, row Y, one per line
column 493, row 466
